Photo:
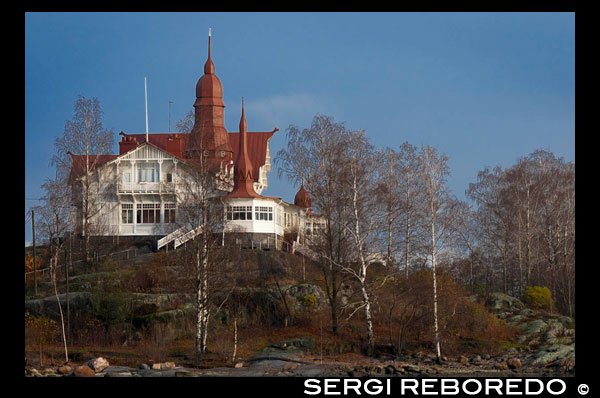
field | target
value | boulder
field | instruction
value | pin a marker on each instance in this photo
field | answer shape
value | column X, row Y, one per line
column 63, row 370
column 83, row 371
column 500, row 366
column 503, row 303
column 533, row 327
column 554, row 353
column 98, row 364
column 413, row 368
column 514, row 363
column 476, row 360
column 33, row 372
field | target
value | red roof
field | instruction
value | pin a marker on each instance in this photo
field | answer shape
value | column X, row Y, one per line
column 257, row 144
column 257, row 148
column 78, row 164
column 159, row 139
column 302, row 198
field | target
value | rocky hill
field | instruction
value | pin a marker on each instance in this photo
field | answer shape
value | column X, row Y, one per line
column 544, row 342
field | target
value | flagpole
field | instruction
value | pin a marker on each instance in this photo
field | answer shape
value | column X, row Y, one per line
column 146, row 95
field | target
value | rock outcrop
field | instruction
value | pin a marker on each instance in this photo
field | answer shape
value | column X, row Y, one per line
column 544, row 340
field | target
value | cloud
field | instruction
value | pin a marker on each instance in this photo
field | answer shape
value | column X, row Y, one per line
column 282, row 110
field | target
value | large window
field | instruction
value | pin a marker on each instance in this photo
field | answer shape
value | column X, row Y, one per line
column 169, row 214
column 239, row 212
column 147, row 172
column 127, row 213
column 289, row 220
column 148, row 213
column 264, row 213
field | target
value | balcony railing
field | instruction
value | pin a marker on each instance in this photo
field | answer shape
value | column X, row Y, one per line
column 146, row 187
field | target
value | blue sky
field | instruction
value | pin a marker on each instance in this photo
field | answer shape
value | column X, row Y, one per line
column 484, row 88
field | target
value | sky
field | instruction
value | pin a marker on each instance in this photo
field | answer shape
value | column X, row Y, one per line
column 483, row 88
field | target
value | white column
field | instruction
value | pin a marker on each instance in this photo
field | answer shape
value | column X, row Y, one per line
column 134, row 213
column 132, row 179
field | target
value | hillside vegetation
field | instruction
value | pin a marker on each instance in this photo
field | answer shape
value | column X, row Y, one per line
column 143, row 312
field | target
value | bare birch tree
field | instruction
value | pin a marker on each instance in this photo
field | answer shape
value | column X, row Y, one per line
column 54, row 220
column 200, row 216
column 316, row 155
column 434, row 169
column 388, row 195
column 360, row 178
column 412, row 200
column 86, row 138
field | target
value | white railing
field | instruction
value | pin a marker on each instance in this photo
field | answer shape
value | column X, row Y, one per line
column 187, row 236
column 165, row 240
column 146, row 187
column 179, row 236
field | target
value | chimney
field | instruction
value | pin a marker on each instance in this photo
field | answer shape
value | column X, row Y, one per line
column 174, row 145
column 127, row 143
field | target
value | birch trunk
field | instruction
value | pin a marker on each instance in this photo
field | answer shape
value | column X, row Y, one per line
column 235, row 340
column 435, row 303
column 363, row 270
column 62, row 320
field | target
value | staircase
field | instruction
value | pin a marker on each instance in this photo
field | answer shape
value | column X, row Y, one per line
column 179, row 236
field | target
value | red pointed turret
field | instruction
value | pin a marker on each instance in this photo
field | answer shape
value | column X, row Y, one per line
column 244, row 172
column 302, row 198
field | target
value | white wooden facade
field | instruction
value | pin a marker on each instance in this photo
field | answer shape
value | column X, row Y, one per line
column 141, row 189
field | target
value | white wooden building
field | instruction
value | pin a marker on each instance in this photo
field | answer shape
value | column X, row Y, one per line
column 140, row 189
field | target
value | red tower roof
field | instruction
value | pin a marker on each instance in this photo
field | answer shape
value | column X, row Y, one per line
column 209, row 90
column 244, row 172
column 209, row 133
column 302, row 198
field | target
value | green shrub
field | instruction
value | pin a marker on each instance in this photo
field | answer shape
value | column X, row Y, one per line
column 309, row 300
column 538, row 297
column 109, row 308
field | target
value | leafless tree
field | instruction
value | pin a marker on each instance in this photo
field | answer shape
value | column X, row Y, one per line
column 388, row 195
column 412, row 200
column 200, row 215
column 526, row 224
column 361, row 184
column 86, row 140
column 54, row 220
column 434, row 169
column 316, row 155
column 185, row 125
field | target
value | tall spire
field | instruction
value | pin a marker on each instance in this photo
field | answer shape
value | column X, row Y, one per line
column 243, row 162
column 243, row 125
column 209, row 133
column 209, row 67
column 244, row 181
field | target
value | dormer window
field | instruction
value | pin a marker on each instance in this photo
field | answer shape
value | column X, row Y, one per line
column 147, row 172
column 222, row 154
